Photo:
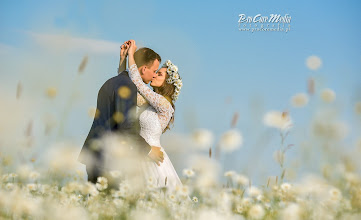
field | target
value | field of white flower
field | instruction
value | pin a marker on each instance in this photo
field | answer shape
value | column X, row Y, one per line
column 29, row 191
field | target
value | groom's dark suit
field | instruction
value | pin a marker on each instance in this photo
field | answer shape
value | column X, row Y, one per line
column 118, row 95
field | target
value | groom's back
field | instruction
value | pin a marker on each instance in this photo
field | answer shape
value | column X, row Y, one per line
column 116, row 97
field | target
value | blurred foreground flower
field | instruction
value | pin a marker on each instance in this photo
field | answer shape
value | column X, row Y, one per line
column 254, row 191
column 292, row 211
column 327, row 95
column 188, row 172
column 94, row 112
column 207, row 171
column 299, row 100
column 203, row 138
column 280, row 120
column 313, row 62
column 231, row 140
column 256, row 212
column 329, row 129
column 51, row 92
column 358, row 108
column 60, row 157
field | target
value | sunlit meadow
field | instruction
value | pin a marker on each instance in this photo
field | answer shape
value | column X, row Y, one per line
column 50, row 185
column 267, row 125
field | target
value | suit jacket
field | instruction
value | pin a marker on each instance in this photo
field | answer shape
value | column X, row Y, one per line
column 112, row 101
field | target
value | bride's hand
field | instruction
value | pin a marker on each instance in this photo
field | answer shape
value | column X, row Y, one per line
column 157, row 155
column 132, row 47
column 124, row 50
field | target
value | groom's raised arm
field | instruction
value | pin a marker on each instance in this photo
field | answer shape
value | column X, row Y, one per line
column 125, row 99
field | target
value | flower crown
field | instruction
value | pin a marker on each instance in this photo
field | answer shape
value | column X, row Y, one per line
column 173, row 78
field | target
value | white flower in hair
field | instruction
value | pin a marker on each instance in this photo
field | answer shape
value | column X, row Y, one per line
column 176, row 76
column 173, row 78
column 174, row 68
column 169, row 80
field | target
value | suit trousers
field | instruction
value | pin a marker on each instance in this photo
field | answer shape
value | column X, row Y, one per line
column 96, row 172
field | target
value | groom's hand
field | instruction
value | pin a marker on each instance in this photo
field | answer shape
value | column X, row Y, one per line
column 156, row 154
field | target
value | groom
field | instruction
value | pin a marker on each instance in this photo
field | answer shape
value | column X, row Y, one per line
column 117, row 98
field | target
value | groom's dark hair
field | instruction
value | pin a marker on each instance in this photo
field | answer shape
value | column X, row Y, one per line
column 145, row 56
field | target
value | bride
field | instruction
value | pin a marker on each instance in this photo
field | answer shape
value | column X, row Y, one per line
column 156, row 117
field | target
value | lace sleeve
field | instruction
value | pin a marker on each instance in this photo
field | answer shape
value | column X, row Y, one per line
column 160, row 103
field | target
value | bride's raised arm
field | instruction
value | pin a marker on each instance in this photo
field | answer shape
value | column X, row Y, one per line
column 159, row 102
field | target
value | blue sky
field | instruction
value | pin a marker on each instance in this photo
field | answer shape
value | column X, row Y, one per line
column 224, row 70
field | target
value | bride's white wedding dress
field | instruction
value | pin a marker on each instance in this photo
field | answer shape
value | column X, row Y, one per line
column 153, row 120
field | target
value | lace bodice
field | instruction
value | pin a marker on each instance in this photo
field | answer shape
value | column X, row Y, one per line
column 161, row 105
column 140, row 100
column 150, row 128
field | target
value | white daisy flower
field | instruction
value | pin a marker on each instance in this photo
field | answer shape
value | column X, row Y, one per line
column 246, row 201
column 286, row 187
column 188, row 172
column 169, row 80
column 102, row 183
column 9, row 186
column 335, row 194
column 174, row 68
column 176, row 84
column 195, row 199
column 32, row 186
column 176, row 76
column 89, row 188
column 260, row 198
column 254, row 191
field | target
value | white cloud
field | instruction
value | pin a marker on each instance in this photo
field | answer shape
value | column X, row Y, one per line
column 75, row 44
